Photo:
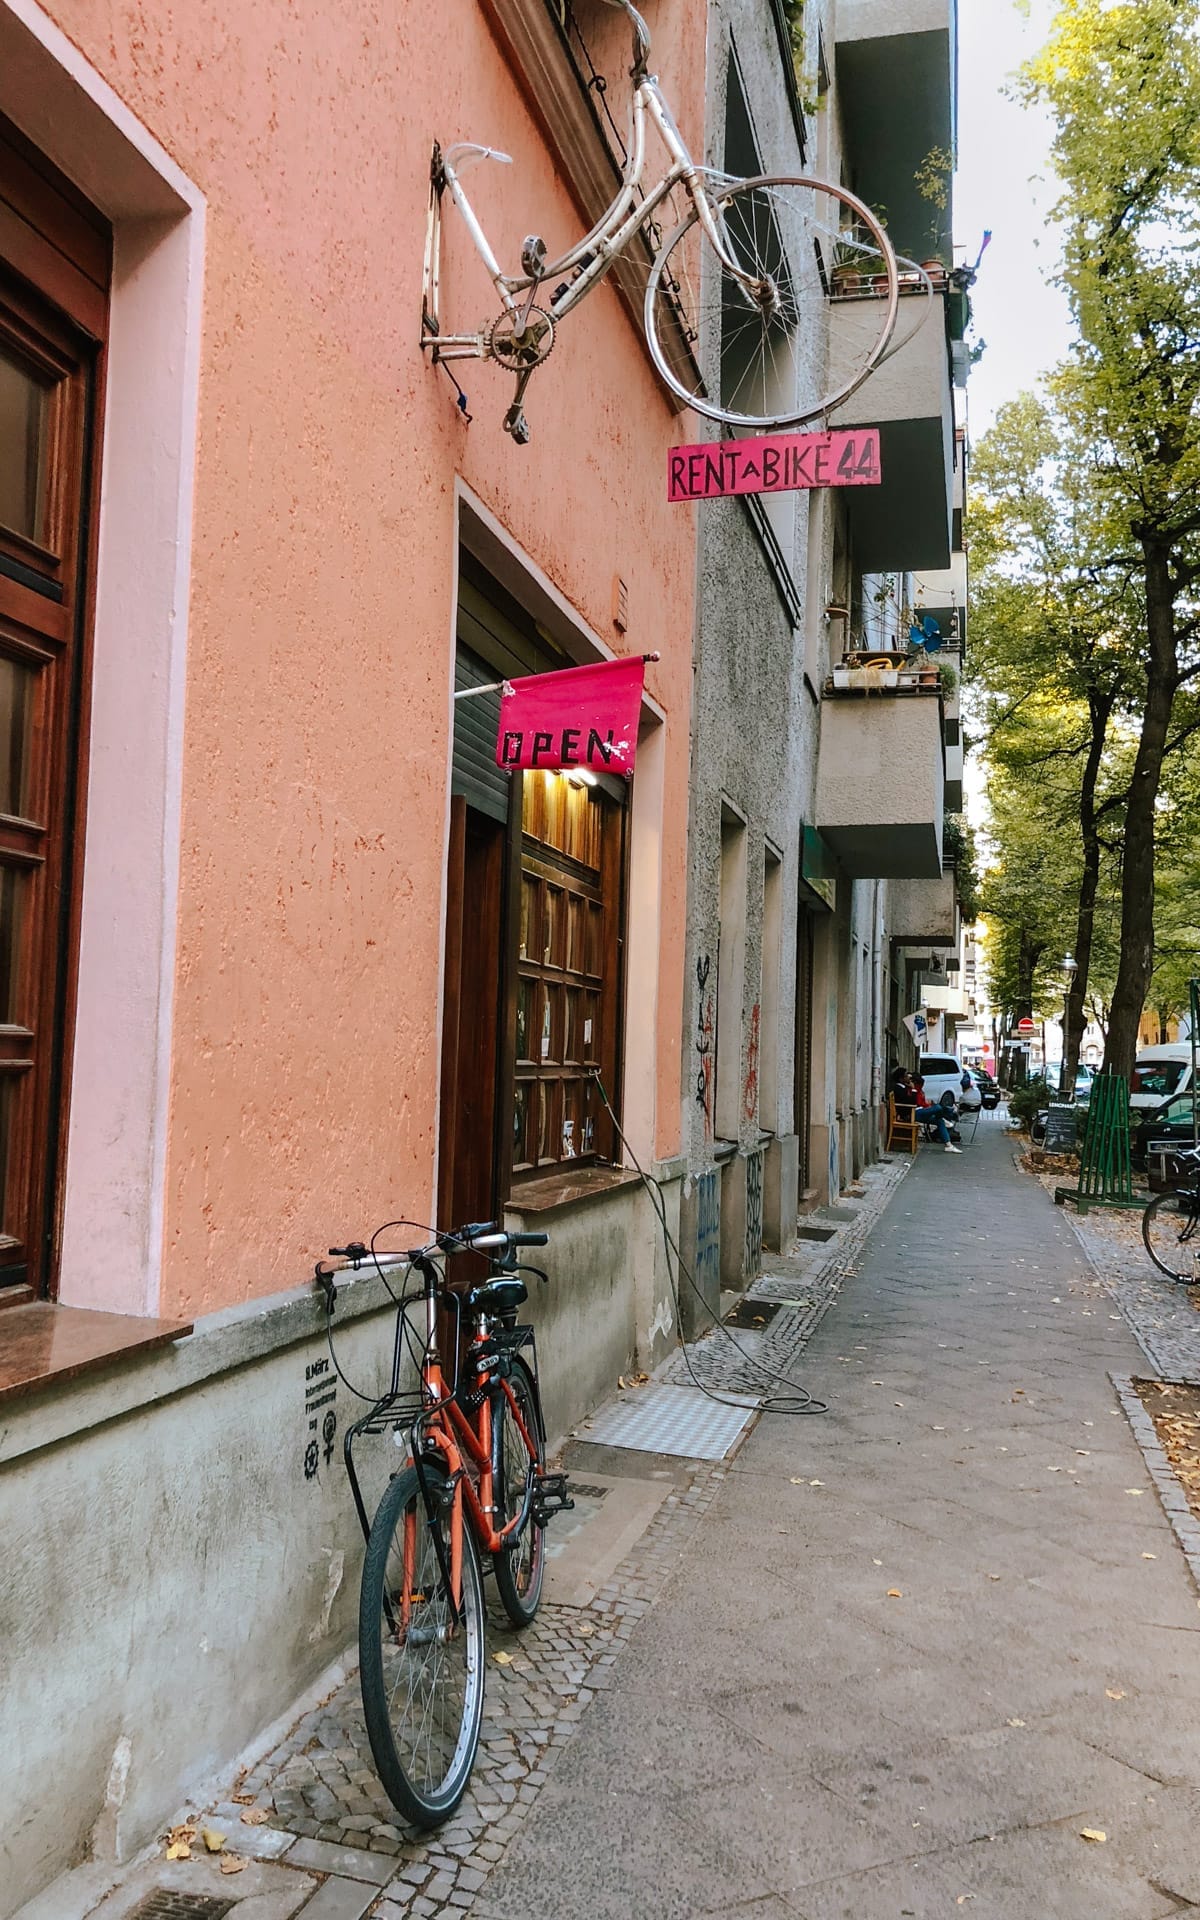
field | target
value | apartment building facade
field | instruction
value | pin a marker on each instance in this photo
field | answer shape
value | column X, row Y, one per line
column 287, row 956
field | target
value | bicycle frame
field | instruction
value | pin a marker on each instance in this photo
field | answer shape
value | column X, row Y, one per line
column 441, row 1429
column 595, row 253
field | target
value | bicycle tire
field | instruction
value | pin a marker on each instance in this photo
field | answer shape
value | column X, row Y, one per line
column 423, row 1712
column 755, row 215
column 519, row 1569
column 1177, row 1252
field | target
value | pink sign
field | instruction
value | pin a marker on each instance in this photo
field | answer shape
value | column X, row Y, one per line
column 775, row 463
column 582, row 717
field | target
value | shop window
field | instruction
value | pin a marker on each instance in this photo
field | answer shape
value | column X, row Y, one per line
column 572, row 860
column 534, row 937
column 49, row 364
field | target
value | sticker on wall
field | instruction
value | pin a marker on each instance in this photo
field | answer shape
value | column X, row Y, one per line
column 320, row 1408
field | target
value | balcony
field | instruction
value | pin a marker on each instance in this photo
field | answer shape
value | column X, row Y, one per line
column 923, row 913
column 905, row 523
column 881, row 781
column 942, row 591
column 896, row 78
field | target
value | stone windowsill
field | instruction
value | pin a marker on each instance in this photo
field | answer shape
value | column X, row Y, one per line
column 554, row 1190
column 42, row 1345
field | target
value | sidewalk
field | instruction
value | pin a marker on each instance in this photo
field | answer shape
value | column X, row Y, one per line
column 788, row 1736
column 888, row 1661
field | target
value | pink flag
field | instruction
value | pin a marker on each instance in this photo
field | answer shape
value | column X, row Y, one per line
column 582, row 717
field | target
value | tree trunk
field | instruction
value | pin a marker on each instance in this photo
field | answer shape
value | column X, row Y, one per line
column 1100, row 708
column 1137, row 877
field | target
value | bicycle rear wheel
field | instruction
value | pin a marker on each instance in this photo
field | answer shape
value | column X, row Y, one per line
column 519, row 1568
column 421, row 1670
column 1171, row 1231
column 769, row 359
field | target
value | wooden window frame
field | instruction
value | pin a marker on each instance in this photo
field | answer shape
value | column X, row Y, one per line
column 55, row 273
column 605, row 888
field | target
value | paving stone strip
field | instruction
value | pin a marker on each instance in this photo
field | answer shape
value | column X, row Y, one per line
column 811, row 1278
column 328, row 1814
column 1166, row 1481
column 1159, row 1314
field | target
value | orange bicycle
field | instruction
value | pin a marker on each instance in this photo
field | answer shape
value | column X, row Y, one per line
column 475, row 1485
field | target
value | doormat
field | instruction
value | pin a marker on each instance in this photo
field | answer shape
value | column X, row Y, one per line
column 674, row 1420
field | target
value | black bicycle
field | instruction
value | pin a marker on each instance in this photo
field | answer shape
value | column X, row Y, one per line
column 464, row 1392
column 1170, row 1223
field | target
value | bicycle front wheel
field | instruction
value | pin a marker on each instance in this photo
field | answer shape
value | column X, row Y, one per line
column 421, row 1669
column 1171, row 1231
column 755, row 349
column 520, row 1567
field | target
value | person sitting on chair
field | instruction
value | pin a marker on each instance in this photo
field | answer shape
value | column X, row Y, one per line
column 932, row 1116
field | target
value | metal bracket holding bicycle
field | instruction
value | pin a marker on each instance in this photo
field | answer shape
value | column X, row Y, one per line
column 746, row 270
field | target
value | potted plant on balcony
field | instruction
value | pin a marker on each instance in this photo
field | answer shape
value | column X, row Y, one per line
column 948, row 676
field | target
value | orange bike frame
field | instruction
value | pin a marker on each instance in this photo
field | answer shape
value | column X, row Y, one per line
column 444, row 1429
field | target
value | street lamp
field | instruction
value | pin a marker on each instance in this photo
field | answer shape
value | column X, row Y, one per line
column 1070, row 967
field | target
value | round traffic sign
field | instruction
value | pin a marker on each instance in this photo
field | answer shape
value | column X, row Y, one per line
column 1026, row 1025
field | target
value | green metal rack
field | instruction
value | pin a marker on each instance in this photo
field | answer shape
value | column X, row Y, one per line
column 1105, row 1174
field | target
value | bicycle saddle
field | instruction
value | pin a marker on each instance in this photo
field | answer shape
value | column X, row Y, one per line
column 497, row 1297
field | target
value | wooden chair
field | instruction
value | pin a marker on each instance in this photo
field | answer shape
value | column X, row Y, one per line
column 902, row 1126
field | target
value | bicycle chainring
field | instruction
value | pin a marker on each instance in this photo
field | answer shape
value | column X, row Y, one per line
column 521, row 348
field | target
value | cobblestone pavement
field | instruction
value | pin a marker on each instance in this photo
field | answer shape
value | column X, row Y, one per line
column 1162, row 1317
column 326, row 1811
column 808, row 1281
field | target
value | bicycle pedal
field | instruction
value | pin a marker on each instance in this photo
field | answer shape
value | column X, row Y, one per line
column 550, row 1497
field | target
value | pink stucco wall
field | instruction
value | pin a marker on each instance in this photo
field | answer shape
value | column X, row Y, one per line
column 305, row 1043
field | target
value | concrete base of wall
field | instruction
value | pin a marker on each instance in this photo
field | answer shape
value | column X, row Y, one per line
column 781, row 1192
column 203, row 1490
column 825, row 1162
column 700, row 1245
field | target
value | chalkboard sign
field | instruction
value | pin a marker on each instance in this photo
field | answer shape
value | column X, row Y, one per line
column 1061, row 1124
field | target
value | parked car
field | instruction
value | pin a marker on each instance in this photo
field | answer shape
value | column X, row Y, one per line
column 1084, row 1075
column 1168, row 1124
column 1159, row 1073
column 989, row 1091
column 945, row 1073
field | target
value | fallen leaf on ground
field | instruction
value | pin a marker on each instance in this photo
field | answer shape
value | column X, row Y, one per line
column 243, row 1799
column 232, row 1863
column 963, row 1898
column 255, row 1817
column 894, row 1593
column 877, row 1563
column 213, row 1840
column 1016, row 1723
column 1093, row 1833
column 1149, row 1556
column 585, row 1627
column 816, row 1483
column 1115, row 1693
column 1137, row 1492
column 179, row 1850
column 502, row 1659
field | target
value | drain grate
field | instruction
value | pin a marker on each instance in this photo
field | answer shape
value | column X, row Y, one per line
column 587, row 1492
column 165, row 1904
column 815, row 1233
column 752, row 1314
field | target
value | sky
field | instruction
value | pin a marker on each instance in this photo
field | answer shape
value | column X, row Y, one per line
column 1004, row 182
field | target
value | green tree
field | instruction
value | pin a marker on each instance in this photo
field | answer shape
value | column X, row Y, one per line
column 1123, row 84
column 1054, row 654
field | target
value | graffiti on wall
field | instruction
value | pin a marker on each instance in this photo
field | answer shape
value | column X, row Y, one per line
column 750, row 1085
column 754, row 1213
column 708, row 1234
column 705, row 1038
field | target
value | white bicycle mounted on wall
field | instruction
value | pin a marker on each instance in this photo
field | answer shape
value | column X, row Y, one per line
column 753, row 264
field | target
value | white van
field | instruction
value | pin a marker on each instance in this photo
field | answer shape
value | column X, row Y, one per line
column 1159, row 1073
column 945, row 1073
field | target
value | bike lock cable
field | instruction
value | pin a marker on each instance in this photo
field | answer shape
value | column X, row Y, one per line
column 800, row 1400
